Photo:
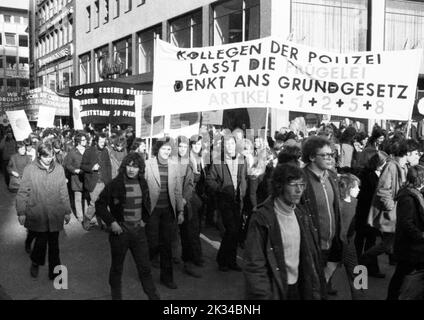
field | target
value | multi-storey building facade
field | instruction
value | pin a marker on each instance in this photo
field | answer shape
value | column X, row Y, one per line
column 123, row 31
column 52, row 44
column 14, row 52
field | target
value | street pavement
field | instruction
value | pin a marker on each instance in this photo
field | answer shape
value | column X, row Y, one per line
column 87, row 258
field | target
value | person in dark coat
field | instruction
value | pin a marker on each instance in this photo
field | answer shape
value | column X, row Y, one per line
column 72, row 164
column 409, row 239
column 321, row 198
column 124, row 205
column 227, row 178
column 7, row 149
column 97, row 169
column 282, row 255
column 366, row 235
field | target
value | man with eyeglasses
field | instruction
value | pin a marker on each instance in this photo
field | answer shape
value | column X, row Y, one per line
column 282, row 255
column 321, row 197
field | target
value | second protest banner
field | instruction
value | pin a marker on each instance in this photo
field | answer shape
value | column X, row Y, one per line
column 277, row 73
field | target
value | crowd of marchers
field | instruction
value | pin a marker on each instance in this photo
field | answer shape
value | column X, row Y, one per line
column 295, row 208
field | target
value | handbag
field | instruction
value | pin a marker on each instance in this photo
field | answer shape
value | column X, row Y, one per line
column 413, row 286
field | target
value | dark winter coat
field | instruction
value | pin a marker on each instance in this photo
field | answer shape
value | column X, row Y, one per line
column 265, row 270
column 92, row 156
column 409, row 238
column 219, row 181
column 72, row 162
column 310, row 204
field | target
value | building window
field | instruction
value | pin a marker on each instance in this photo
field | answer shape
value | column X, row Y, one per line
column 11, row 84
column 70, row 30
column 23, row 40
column 1, row 64
column 65, row 78
column 84, row 68
column 7, row 18
column 24, row 84
column 25, row 20
column 127, row 5
column 1, row 39
column 404, row 25
column 186, row 31
column 88, row 18
column 99, row 54
column 97, row 14
column 117, row 5
column 235, row 21
column 51, row 81
column 10, row 39
column 145, row 40
column 106, row 19
column 334, row 25
column 60, row 37
column 23, row 63
column 11, row 62
column 122, row 50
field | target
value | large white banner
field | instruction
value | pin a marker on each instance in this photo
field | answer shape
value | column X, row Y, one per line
column 20, row 124
column 46, row 117
column 76, row 114
column 277, row 73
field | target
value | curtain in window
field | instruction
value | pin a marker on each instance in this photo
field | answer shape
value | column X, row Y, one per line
column 334, row 25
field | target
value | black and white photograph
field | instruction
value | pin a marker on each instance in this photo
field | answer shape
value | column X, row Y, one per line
column 215, row 154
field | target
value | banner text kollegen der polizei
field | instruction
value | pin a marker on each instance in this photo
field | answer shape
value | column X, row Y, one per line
column 267, row 72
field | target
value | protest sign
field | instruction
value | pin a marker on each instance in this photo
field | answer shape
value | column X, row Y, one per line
column 138, row 114
column 186, row 124
column 20, row 124
column 107, row 102
column 32, row 100
column 46, row 117
column 277, row 73
column 76, row 109
column 212, row 117
column 146, row 120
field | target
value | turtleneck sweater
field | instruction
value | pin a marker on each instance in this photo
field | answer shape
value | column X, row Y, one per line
column 290, row 234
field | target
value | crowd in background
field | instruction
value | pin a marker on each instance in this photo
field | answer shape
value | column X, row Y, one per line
column 298, row 204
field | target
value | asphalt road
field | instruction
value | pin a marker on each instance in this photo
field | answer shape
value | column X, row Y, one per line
column 87, row 258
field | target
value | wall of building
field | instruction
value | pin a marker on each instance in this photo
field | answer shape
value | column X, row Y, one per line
column 139, row 18
column 52, row 44
column 14, row 49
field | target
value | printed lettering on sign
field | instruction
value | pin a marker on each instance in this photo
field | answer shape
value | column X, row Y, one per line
column 269, row 72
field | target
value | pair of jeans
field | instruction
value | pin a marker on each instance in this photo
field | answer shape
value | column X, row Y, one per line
column 159, row 232
column 5, row 172
column 190, row 232
column 80, row 204
column 91, row 209
column 385, row 246
column 365, row 238
column 403, row 268
column 231, row 220
column 135, row 240
column 350, row 261
column 42, row 241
